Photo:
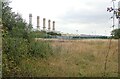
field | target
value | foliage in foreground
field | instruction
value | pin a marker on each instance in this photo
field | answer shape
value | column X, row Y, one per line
column 18, row 43
column 17, row 49
column 83, row 58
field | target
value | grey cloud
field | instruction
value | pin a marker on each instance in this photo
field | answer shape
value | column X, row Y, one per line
column 86, row 16
column 96, row 15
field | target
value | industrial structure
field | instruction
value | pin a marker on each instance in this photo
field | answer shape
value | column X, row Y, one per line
column 53, row 25
column 49, row 25
column 30, row 19
column 44, row 24
column 30, row 22
column 38, row 26
column 51, row 29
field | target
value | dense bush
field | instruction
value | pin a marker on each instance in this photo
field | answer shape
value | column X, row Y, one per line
column 16, row 47
column 39, row 49
column 14, row 50
column 18, row 42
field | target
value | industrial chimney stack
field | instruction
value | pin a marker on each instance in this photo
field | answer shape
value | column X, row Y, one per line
column 44, row 24
column 38, row 24
column 30, row 22
column 49, row 25
column 30, row 19
column 53, row 25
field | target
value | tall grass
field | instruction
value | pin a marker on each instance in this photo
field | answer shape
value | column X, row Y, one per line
column 79, row 58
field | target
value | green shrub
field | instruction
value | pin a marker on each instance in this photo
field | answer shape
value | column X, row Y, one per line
column 40, row 49
column 15, row 48
column 9, row 68
column 18, row 41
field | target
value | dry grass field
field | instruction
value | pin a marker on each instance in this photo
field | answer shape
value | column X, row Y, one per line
column 76, row 58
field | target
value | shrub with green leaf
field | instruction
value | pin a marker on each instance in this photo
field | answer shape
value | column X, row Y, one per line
column 18, row 42
column 39, row 49
column 14, row 50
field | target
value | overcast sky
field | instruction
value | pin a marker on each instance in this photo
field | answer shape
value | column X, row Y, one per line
column 86, row 16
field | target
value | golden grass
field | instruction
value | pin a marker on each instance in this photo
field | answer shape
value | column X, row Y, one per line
column 76, row 58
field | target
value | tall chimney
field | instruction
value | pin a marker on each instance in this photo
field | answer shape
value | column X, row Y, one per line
column 30, row 22
column 38, row 26
column 30, row 19
column 53, row 25
column 44, row 24
column 49, row 25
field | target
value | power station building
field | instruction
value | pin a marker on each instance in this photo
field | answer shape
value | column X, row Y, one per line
column 47, row 28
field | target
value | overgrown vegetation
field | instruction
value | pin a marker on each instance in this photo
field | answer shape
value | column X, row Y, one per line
column 18, row 42
column 75, row 58
column 25, row 56
column 116, row 33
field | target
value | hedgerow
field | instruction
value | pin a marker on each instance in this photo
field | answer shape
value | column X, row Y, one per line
column 18, row 42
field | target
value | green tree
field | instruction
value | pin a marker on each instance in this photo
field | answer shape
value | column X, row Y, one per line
column 14, row 39
column 116, row 33
column 12, row 22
